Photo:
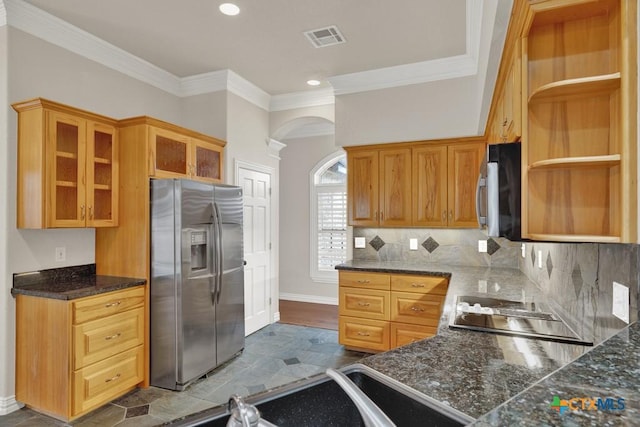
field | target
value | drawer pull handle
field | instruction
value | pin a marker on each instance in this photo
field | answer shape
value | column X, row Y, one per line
column 414, row 308
column 363, row 334
column 417, row 285
column 112, row 304
column 363, row 304
column 364, row 281
column 111, row 337
column 108, row 380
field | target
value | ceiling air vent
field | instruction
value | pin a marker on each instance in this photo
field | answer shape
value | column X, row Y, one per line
column 323, row 37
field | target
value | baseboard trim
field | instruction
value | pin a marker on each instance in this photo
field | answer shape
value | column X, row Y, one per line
column 9, row 405
column 276, row 316
column 308, row 298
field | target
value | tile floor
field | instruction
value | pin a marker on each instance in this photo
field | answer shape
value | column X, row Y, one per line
column 275, row 355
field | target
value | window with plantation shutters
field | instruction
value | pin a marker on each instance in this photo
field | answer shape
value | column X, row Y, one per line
column 329, row 218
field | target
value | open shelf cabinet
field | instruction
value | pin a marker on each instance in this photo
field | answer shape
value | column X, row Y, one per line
column 579, row 135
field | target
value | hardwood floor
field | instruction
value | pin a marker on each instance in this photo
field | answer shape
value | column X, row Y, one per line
column 307, row 314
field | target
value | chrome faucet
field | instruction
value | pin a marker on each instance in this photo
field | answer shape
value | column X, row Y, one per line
column 371, row 414
column 244, row 414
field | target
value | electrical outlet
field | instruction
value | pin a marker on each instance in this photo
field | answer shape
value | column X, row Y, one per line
column 482, row 246
column 482, row 286
column 61, row 254
column 523, row 250
column 620, row 307
column 360, row 242
column 540, row 260
column 413, row 244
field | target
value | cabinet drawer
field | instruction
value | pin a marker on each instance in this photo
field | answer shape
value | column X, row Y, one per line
column 101, row 338
column 107, row 304
column 371, row 304
column 421, row 284
column 364, row 333
column 421, row 309
column 365, row 280
column 406, row 333
column 103, row 381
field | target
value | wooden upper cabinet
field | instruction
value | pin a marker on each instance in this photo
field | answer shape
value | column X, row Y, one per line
column 463, row 171
column 579, row 148
column 379, row 187
column 179, row 153
column 362, row 188
column 395, row 185
column 444, row 184
column 67, row 167
column 430, row 186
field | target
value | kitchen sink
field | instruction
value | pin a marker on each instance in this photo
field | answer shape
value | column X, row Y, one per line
column 319, row 401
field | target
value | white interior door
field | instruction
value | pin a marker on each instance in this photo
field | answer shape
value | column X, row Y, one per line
column 257, row 288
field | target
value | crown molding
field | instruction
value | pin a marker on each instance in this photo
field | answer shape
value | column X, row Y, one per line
column 403, row 75
column 203, row 83
column 41, row 24
column 247, row 90
column 310, row 98
column 3, row 14
column 273, row 147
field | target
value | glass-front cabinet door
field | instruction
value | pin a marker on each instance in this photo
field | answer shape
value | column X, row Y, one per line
column 206, row 161
column 102, row 175
column 66, row 204
column 169, row 154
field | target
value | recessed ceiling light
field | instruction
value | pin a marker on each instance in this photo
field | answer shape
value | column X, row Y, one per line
column 313, row 82
column 229, row 9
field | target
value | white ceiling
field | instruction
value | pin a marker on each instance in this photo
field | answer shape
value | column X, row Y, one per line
column 265, row 43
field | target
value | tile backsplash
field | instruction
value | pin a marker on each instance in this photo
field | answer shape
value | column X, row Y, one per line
column 448, row 246
column 577, row 279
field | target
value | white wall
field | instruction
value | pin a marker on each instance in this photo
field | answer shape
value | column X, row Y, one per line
column 247, row 134
column 417, row 112
column 206, row 113
column 299, row 157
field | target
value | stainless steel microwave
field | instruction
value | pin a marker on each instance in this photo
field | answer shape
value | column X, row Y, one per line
column 498, row 194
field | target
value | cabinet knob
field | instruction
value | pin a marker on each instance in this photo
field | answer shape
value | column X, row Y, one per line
column 417, row 285
column 451, row 215
column 90, row 212
column 81, row 211
column 381, row 216
column 417, row 309
column 363, row 334
column 363, row 304
column 444, row 215
column 364, row 281
column 112, row 304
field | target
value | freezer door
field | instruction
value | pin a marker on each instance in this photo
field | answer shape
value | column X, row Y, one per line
column 230, row 307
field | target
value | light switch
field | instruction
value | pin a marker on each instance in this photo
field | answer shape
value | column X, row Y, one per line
column 540, row 259
column 482, row 246
column 523, row 250
column 621, row 301
column 413, row 244
column 360, row 242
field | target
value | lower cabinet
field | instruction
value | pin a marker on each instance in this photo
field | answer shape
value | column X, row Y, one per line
column 381, row 311
column 74, row 356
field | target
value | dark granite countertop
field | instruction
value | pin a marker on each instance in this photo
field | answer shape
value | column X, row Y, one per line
column 502, row 380
column 69, row 283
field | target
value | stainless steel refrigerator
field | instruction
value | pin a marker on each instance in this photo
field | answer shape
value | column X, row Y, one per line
column 197, row 279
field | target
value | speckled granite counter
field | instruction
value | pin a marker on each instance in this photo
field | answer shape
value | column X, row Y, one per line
column 69, row 283
column 477, row 372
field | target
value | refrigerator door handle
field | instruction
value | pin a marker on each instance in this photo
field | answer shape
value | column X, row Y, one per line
column 218, row 247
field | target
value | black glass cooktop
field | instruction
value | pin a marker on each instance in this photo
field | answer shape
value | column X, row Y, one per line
column 515, row 318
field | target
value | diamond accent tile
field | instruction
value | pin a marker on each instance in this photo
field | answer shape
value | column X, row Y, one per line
column 576, row 278
column 430, row 244
column 137, row 411
column 377, row 243
column 492, row 246
column 533, row 256
column 292, row 361
column 549, row 264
